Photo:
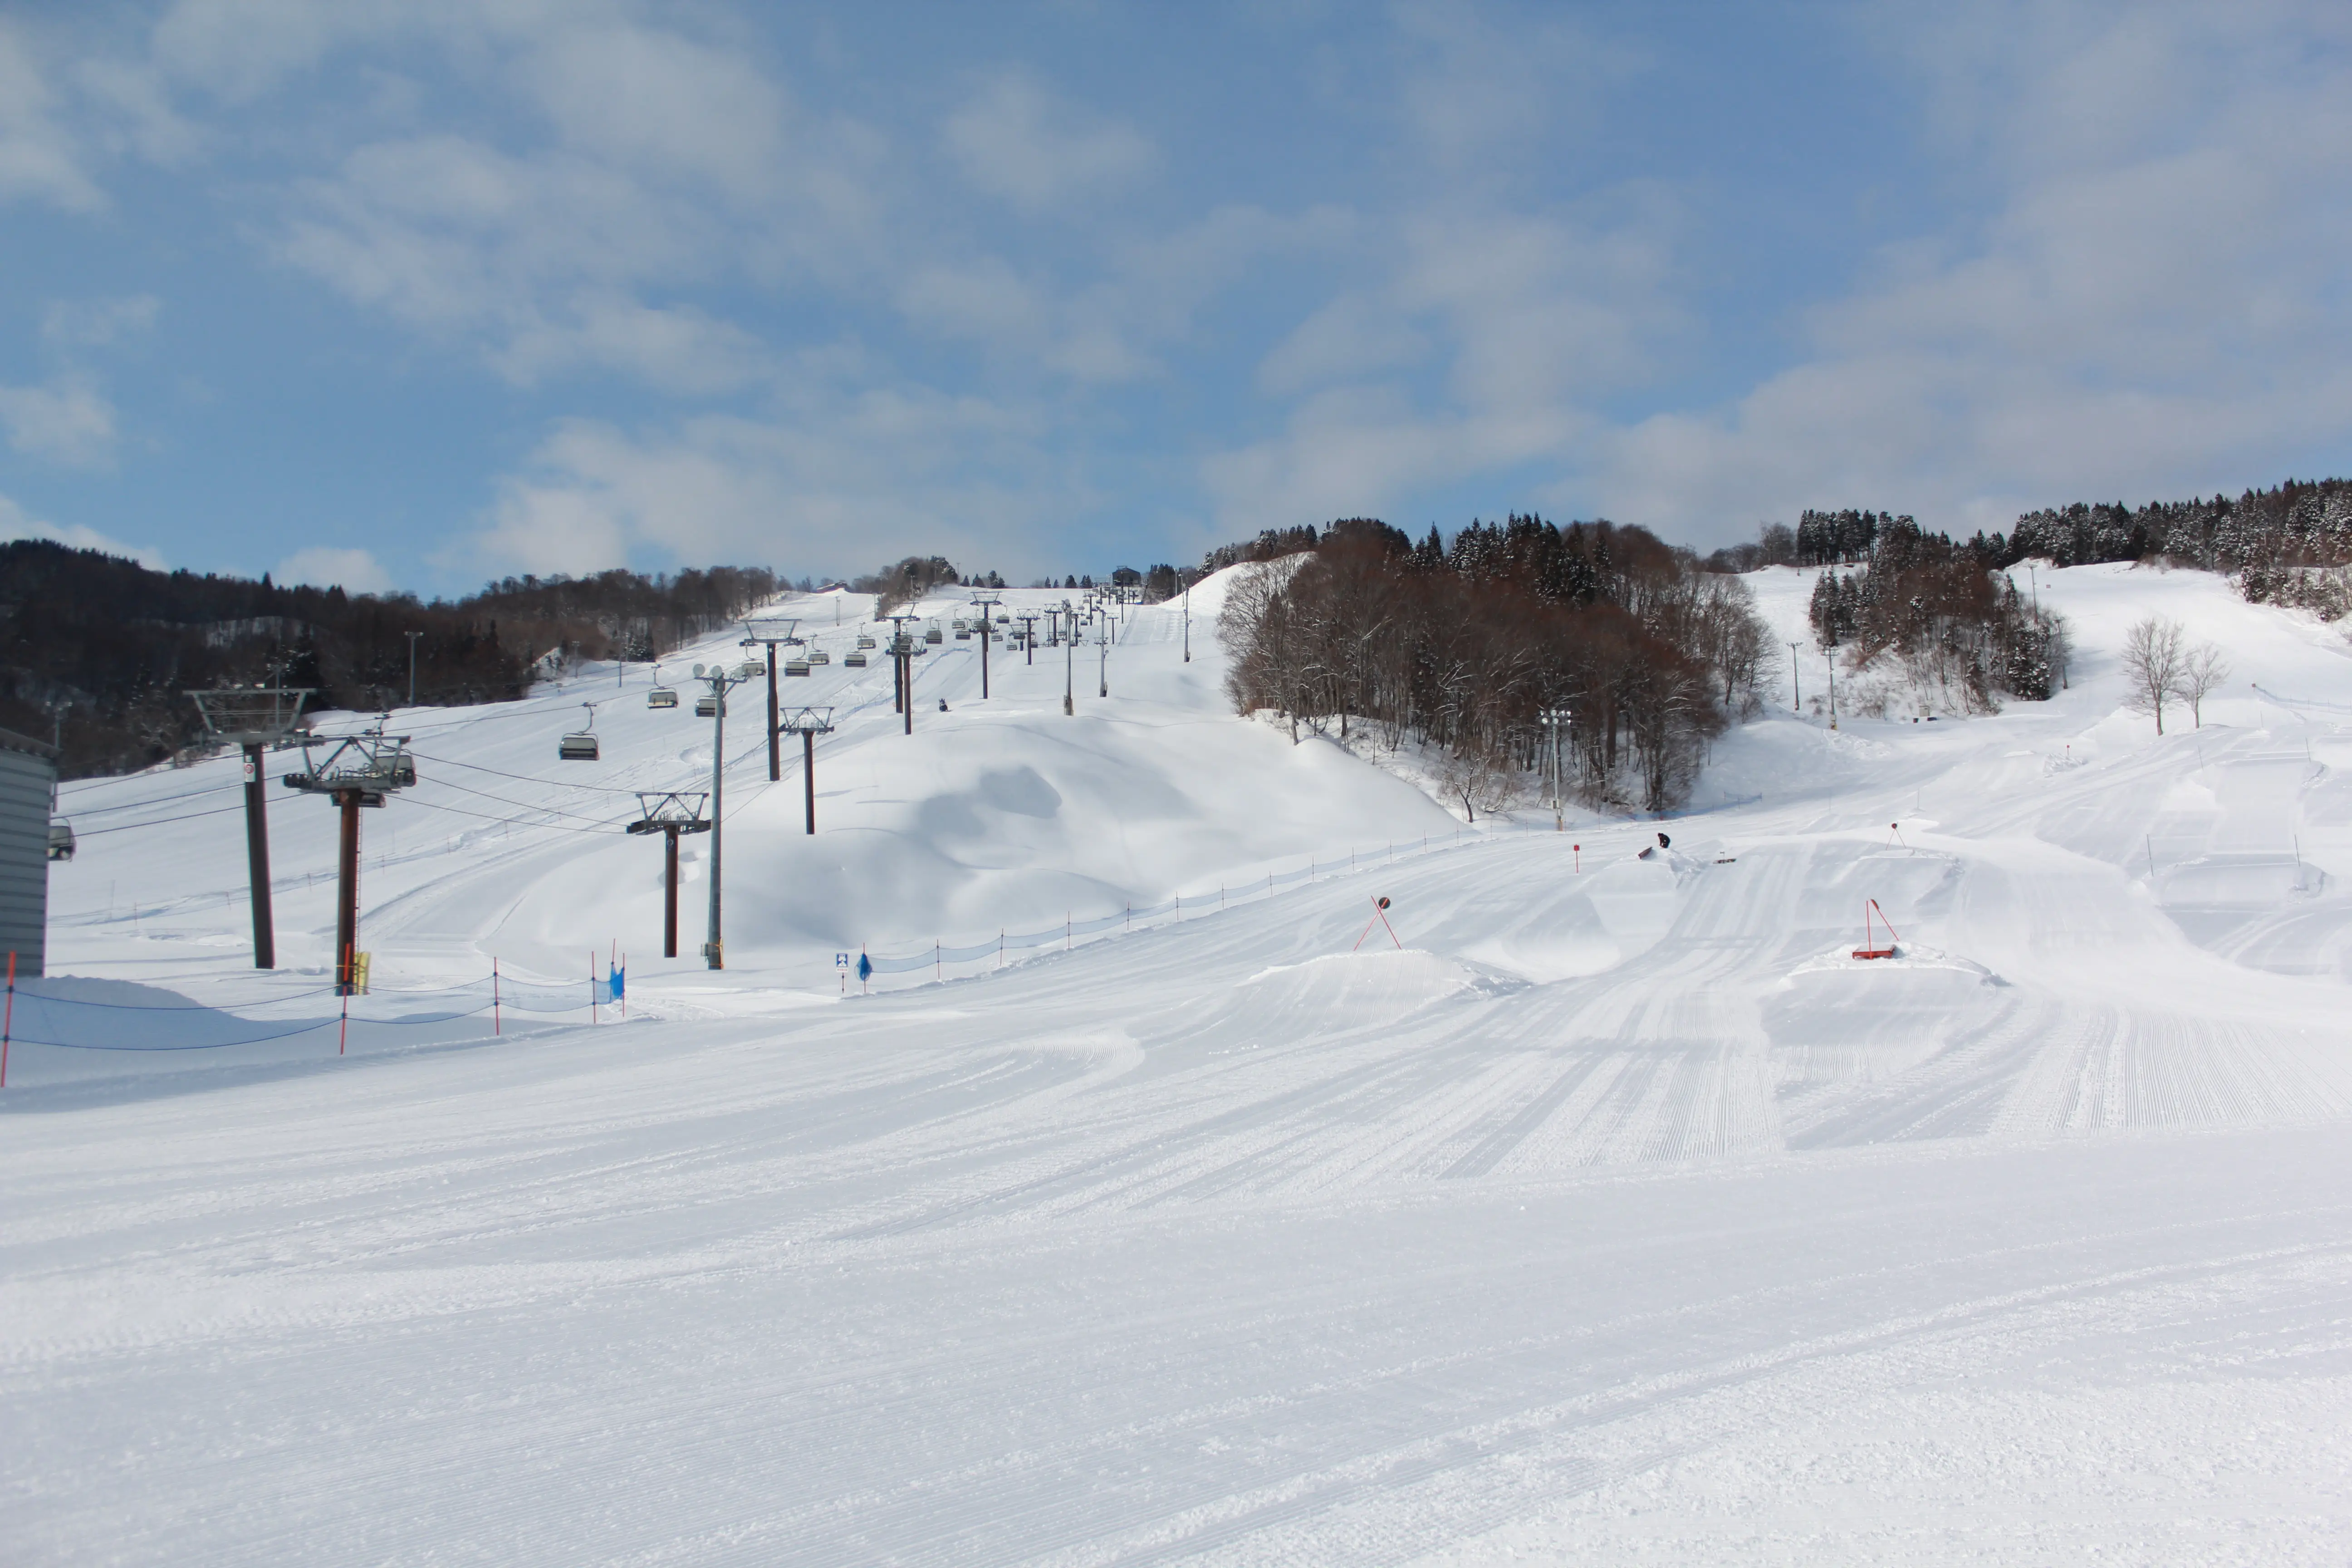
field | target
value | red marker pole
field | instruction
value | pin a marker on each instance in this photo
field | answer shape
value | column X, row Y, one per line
column 1578, row 848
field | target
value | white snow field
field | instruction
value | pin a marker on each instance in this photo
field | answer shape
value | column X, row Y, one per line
column 1609, row 1213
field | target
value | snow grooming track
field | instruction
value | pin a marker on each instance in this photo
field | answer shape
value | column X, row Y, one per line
column 1619, row 1214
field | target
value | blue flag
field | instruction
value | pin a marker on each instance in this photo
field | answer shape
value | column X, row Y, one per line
column 864, row 967
column 620, row 977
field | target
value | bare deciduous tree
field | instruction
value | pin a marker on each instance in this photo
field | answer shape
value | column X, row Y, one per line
column 2153, row 653
column 2201, row 670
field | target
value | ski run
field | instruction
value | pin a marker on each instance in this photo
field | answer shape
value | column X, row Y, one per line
column 1158, row 1199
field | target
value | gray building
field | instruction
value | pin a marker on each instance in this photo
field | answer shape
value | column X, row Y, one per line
column 28, row 780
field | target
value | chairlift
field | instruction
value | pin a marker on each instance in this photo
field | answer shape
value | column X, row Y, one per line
column 855, row 660
column 796, row 667
column 964, row 633
column 864, row 640
column 660, row 696
column 749, row 667
column 818, row 656
column 705, row 706
column 61, row 839
column 934, row 636
column 581, row 745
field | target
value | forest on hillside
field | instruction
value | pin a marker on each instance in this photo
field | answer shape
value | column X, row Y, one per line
column 1464, row 644
column 99, row 652
column 2289, row 544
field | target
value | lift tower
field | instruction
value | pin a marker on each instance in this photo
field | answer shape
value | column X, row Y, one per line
column 253, row 718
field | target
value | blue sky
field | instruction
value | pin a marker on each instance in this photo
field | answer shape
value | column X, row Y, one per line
column 415, row 294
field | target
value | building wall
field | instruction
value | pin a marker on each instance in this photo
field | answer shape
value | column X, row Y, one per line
column 27, row 780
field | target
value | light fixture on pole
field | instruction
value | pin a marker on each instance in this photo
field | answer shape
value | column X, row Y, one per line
column 1556, row 725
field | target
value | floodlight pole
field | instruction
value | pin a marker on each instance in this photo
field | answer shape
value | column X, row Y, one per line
column 1102, row 651
column 1188, row 618
column 1069, row 662
column 412, row 637
column 1796, row 691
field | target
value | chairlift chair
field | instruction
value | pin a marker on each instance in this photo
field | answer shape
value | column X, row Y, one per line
column 855, row 660
column 963, row 633
column 749, row 667
column 796, row 667
column 61, row 839
column 705, row 706
column 933, row 635
column 660, row 696
column 864, row 640
column 581, row 745
column 818, row 656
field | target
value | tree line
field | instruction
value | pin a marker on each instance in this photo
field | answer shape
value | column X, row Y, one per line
column 1957, row 624
column 2289, row 544
column 1464, row 644
column 97, row 651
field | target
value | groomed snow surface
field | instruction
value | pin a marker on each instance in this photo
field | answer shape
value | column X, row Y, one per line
column 1608, row 1213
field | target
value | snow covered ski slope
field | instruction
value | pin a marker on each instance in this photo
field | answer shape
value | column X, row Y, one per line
column 1612, row 1212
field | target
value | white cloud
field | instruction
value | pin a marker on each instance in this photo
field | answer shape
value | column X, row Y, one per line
column 830, row 483
column 39, row 158
column 327, row 566
column 2155, row 308
column 66, row 423
column 16, row 523
column 1014, row 142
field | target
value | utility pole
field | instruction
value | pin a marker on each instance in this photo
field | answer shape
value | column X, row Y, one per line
column 986, row 608
column 412, row 637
